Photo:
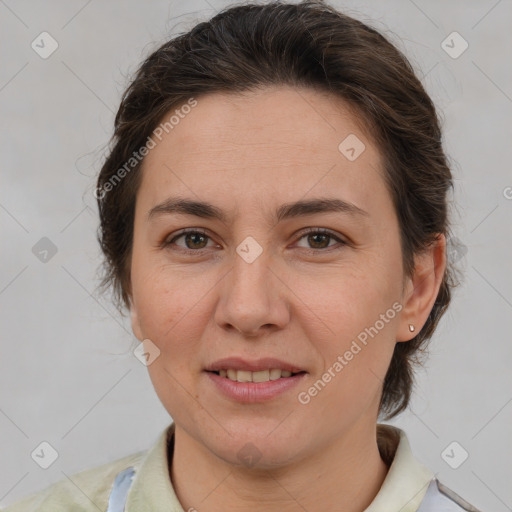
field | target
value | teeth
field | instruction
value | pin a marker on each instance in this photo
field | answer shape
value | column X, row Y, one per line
column 275, row 374
column 261, row 376
column 242, row 376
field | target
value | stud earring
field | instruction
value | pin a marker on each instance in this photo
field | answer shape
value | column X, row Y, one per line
column 411, row 327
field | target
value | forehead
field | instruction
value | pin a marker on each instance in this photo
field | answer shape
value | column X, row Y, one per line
column 274, row 145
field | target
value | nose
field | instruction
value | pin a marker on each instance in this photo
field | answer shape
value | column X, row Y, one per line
column 253, row 299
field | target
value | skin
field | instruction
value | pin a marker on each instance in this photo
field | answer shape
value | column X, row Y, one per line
column 248, row 154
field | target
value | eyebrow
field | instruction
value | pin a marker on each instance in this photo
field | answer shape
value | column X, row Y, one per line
column 176, row 205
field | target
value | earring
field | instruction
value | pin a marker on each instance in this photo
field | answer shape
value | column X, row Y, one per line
column 411, row 327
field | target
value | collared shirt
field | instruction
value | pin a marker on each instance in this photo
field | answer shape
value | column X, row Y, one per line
column 141, row 482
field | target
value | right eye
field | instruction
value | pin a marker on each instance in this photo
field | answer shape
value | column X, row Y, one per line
column 194, row 240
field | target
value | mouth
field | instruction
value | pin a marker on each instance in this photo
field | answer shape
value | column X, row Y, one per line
column 259, row 376
column 253, row 381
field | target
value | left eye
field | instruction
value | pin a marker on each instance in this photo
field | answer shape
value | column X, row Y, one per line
column 318, row 237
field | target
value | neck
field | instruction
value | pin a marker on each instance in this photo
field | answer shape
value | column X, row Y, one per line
column 344, row 475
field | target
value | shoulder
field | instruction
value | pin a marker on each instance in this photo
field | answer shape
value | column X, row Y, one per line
column 440, row 498
column 85, row 491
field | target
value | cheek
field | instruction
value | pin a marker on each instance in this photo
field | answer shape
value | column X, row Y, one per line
column 172, row 317
column 166, row 316
column 345, row 303
column 171, row 313
column 353, row 373
column 159, row 296
column 353, row 330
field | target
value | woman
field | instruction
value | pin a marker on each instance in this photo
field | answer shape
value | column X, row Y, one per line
column 274, row 217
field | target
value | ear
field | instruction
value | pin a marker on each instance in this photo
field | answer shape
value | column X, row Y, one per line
column 137, row 331
column 422, row 289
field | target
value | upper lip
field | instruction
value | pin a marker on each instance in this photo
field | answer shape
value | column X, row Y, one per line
column 238, row 363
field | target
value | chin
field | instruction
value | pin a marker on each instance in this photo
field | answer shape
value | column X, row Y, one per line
column 253, row 446
column 257, row 455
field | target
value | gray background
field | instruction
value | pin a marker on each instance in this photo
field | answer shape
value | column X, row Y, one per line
column 67, row 374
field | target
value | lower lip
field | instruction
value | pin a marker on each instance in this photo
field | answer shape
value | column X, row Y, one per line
column 251, row 392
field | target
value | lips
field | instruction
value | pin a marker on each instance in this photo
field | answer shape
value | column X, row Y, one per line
column 254, row 381
column 262, row 370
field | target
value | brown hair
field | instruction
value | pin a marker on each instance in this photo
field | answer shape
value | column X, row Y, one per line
column 309, row 44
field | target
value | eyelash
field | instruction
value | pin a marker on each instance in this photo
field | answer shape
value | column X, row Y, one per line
column 310, row 231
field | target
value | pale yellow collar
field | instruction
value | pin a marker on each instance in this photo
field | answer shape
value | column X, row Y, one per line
column 407, row 480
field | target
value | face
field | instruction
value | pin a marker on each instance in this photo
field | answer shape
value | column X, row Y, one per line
column 252, row 283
